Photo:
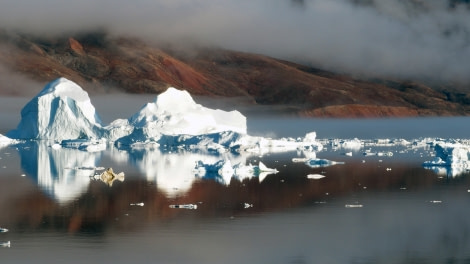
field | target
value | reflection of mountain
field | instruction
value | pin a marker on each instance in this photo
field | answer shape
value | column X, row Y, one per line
column 62, row 173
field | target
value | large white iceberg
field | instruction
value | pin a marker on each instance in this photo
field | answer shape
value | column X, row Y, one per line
column 62, row 110
column 174, row 112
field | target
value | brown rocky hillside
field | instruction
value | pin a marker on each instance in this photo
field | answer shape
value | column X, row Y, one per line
column 100, row 63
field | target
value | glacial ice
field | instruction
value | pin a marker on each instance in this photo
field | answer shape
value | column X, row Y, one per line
column 173, row 141
column 5, row 141
column 62, row 110
column 451, row 158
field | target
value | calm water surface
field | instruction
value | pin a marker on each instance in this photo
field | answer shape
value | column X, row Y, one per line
column 368, row 210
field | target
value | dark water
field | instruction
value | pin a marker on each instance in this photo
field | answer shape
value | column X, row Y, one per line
column 368, row 210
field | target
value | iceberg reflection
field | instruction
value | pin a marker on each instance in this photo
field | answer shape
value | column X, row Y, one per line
column 65, row 173
column 62, row 173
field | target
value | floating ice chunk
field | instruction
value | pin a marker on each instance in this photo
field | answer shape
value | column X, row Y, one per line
column 318, row 163
column 84, row 144
column 183, row 206
column 4, row 141
column 56, row 146
column 5, row 244
column 315, row 176
column 379, row 154
column 300, row 160
column 453, row 158
column 108, row 177
column 353, row 206
column 354, row 144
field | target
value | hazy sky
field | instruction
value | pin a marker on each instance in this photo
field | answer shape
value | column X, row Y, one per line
column 406, row 38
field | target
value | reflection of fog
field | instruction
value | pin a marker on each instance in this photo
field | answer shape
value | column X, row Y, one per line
column 62, row 173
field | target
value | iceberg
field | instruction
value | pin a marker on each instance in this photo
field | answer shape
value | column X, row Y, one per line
column 174, row 112
column 62, row 110
column 5, row 141
column 163, row 140
column 452, row 158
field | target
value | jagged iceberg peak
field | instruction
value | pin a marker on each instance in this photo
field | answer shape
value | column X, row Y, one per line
column 174, row 112
column 62, row 110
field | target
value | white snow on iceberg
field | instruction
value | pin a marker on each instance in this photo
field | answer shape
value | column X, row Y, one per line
column 174, row 112
column 62, row 110
column 450, row 158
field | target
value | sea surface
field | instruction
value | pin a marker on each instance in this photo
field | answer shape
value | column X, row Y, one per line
column 366, row 209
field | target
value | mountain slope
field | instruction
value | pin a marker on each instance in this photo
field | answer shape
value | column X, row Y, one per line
column 100, row 63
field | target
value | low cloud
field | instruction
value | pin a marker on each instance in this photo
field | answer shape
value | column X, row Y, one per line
column 372, row 38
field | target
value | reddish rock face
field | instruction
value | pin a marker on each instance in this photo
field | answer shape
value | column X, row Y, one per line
column 76, row 47
column 99, row 63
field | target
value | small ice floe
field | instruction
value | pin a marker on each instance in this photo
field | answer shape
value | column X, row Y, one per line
column 3, row 230
column 247, row 205
column 184, row 206
column 296, row 160
column 108, row 177
column 56, row 146
column 353, row 206
column 5, row 244
column 4, row 140
column 318, row 163
column 315, row 176
column 137, row 204
column 93, row 145
column 379, row 154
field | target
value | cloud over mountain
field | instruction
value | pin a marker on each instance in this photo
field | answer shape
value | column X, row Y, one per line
column 399, row 38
